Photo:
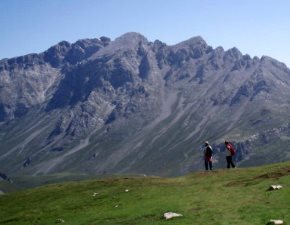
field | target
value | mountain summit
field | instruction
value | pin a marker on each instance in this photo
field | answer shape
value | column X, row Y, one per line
column 135, row 106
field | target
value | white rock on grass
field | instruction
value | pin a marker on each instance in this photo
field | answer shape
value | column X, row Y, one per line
column 170, row 215
column 275, row 187
column 275, row 222
column 59, row 220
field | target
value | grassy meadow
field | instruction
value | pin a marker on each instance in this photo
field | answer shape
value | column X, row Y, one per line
column 234, row 196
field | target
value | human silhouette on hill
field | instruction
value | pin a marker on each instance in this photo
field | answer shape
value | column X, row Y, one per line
column 230, row 152
column 207, row 156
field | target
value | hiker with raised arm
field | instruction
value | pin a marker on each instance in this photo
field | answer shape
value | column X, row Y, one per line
column 230, row 152
column 207, row 156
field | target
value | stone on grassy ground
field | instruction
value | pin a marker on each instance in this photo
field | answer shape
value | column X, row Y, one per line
column 275, row 222
column 170, row 215
column 275, row 187
column 59, row 220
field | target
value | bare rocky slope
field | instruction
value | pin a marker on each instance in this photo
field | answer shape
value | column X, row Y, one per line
column 134, row 106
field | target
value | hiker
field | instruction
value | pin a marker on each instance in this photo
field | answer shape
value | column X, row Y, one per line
column 230, row 152
column 207, row 156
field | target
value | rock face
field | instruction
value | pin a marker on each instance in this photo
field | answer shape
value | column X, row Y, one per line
column 133, row 106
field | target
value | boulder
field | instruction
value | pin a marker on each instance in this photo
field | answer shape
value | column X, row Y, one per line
column 275, row 222
column 59, row 220
column 170, row 215
column 275, row 187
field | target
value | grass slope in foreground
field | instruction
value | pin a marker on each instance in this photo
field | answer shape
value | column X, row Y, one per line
column 236, row 196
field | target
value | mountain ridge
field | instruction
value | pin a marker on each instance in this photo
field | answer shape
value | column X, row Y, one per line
column 131, row 105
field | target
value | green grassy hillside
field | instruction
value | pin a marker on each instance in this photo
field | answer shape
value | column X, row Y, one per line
column 236, row 196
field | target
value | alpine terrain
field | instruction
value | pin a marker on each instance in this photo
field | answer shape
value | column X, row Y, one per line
column 135, row 106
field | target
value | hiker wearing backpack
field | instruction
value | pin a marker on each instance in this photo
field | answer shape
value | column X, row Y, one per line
column 207, row 156
column 230, row 152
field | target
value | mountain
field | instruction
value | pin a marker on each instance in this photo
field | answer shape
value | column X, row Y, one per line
column 133, row 106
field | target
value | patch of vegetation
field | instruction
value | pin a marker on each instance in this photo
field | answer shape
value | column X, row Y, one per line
column 235, row 196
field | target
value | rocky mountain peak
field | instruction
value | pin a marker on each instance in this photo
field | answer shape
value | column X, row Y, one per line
column 56, row 53
column 268, row 59
column 234, row 53
column 198, row 40
column 195, row 42
column 130, row 40
column 193, row 48
column 132, row 36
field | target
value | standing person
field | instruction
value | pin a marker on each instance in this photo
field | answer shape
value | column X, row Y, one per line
column 207, row 156
column 230, row 152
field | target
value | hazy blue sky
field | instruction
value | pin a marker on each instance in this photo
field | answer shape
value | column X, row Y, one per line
column 256, row 27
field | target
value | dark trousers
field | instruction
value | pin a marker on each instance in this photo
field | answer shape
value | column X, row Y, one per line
column 208, row 164
column 230, row 162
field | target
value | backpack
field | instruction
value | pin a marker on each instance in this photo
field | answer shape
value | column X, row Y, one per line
column 231, row 148
column 209, row 151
